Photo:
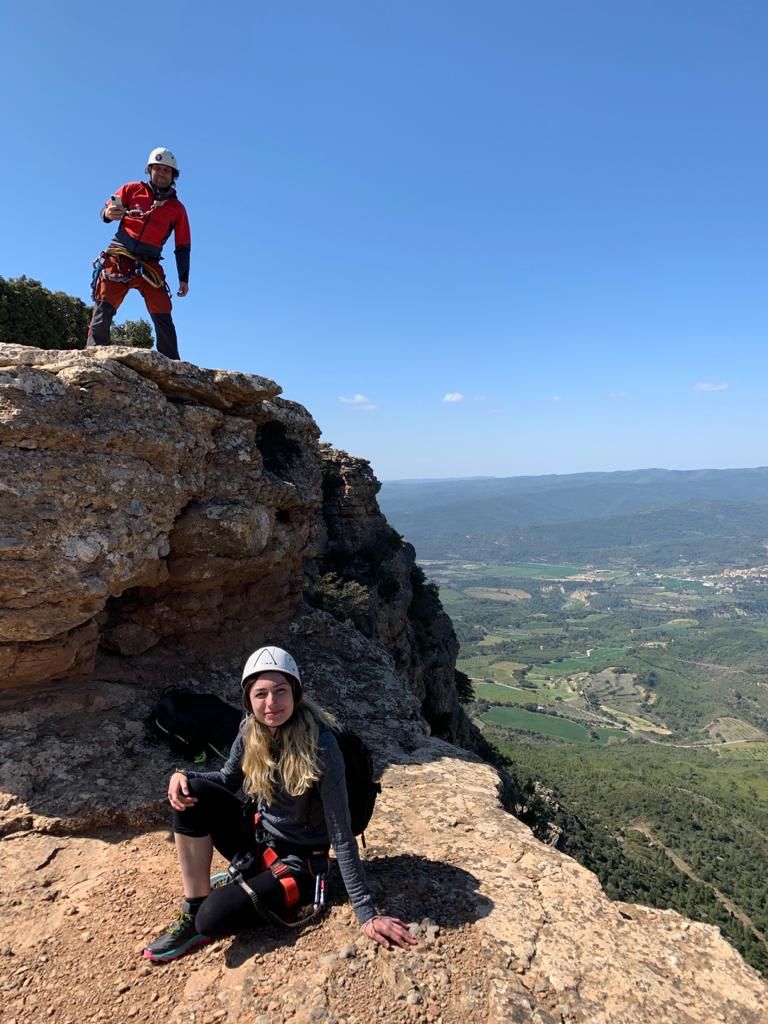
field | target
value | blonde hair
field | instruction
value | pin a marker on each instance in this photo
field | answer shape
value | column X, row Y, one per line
column 290, row 759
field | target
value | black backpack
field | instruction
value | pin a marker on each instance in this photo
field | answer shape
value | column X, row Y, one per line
column 362, row 787
column 196, row 725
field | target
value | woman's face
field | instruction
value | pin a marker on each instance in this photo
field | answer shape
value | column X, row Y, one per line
column 271, row 699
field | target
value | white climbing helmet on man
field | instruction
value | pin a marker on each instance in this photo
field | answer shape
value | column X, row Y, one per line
column 163, row 156
column 271, row 659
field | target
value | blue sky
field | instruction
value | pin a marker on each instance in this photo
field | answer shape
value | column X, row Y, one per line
column 553, row 212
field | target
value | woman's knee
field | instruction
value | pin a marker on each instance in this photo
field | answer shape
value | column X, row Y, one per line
column 202, row 788
column 201, row 817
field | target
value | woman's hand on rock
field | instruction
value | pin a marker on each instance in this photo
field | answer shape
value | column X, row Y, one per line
column 178, row 792
column 389, row 931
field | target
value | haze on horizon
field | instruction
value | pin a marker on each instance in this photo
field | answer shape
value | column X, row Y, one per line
column 585, row 472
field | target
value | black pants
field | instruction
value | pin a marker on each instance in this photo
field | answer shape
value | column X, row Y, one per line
column 101, row 323
column 223, row 816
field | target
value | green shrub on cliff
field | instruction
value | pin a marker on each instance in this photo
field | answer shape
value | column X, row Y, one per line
column 346, row 600
column 32, row 315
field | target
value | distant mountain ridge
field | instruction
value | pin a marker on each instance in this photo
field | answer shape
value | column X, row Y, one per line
column 654, row 515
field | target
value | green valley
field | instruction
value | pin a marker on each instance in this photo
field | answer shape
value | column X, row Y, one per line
column 638, row 701
column 614, row 632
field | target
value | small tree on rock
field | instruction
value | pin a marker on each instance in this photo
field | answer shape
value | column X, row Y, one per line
column 134, row 333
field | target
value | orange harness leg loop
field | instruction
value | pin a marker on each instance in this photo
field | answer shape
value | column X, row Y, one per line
column 283, row 874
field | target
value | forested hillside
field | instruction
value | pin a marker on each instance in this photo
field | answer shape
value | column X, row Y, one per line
column 648, row 517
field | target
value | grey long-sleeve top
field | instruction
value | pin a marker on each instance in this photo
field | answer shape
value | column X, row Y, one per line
column 307, row 821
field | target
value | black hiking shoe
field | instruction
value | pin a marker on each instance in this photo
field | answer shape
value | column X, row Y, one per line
column 179, row 939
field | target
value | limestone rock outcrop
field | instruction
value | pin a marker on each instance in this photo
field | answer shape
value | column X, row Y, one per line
column 149, row 507
column 141, row 502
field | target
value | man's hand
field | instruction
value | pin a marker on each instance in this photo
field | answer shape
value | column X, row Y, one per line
column 183, row 289
column 114, row 212
column 389, row 930
column 178, row 792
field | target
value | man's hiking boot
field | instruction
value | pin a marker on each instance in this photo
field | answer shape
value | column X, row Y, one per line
column 179, row 939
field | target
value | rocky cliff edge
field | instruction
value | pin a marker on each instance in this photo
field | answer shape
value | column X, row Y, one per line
column 158, row 521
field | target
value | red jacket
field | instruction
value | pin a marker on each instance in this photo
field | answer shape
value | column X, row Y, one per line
column 146, row 233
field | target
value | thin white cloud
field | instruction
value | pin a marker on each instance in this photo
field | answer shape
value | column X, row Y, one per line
column 556, row 398
column 704, row 385
column 617, row 394
column 453, row 396
column 358, row 401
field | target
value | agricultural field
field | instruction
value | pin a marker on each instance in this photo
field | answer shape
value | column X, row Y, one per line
column 754, row 752
column 680, row 626
column 733, row 730
column 501, row 694
column 658, row 655
column 498, row 594
column 527, row 570
column 491, row 639
column 677, row 585
column 547, row 725
column 592, row 660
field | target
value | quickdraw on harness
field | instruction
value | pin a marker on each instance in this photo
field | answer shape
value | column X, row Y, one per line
column 135, row 268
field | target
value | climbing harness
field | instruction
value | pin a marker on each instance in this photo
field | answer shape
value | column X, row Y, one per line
column 125, row 274
column 283, row 874
column 269, row 860
column 249, row 862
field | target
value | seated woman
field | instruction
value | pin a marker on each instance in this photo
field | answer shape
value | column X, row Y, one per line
column 287, row 761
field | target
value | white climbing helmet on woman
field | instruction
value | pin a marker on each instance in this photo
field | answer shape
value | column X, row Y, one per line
column 272, row 659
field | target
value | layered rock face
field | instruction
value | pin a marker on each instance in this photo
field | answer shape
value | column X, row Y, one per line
column 368, row 575
column 144, row 503
column 159, row 521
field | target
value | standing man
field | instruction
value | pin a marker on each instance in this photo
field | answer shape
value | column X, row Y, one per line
column 146, row 212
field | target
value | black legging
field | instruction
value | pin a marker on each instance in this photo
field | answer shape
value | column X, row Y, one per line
column 223, row 816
